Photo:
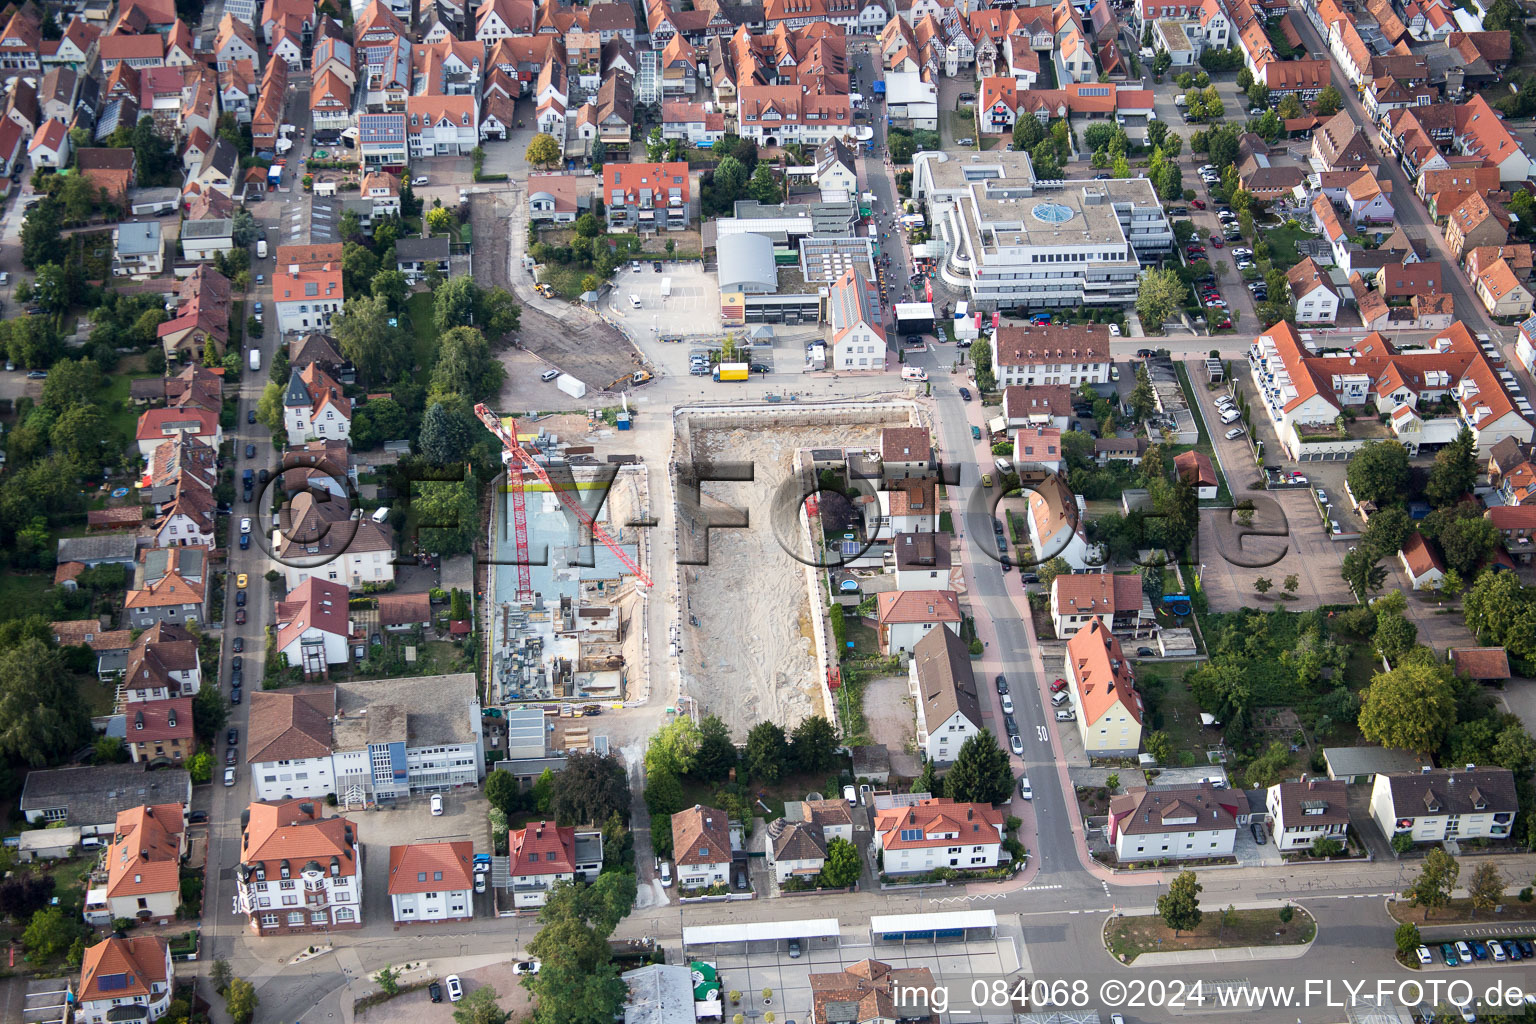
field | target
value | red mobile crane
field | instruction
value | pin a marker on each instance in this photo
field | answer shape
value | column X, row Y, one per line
column 519, row 463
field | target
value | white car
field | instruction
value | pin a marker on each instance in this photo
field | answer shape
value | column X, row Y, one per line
column 455, row 988
column 437, row 804
column 1424, row 955
column 1234, row 433
column 527, row 966
column 1114, row 330
column 1016, row 745
column 1007, row 704
column 418, row 182
column 1025, row 792
column 245, row 524
column 1464, row 951
column 229, row 776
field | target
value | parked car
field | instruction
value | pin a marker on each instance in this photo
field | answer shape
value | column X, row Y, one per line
column 437, row 804
column 1448, row 954
column 229, row 776
column 965, row 394
column 1479, row 951
column 435, row 992
column 1464, row 951
column 1058, row 686
column 240, row 599
column 234, row 694
column 1002, row 685
column 1424, row 956
column 527, row 966
column 1233, row 434
column 198, row 817
column 1007, row 704
column 1010, row 726
column 1258, row 833
column 231, row 755
column 250, row 416
column 1065, row 715
column 239, row 616
column 455, row 988
column 250, row 451
column 232, row 736
column 1016, row 745
column 1025, row 792
column 1145, row 652
column 794, row 949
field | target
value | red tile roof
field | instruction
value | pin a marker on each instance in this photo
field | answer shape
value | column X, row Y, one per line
column 431, row 867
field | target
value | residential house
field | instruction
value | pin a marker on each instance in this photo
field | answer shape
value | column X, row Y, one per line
column 143, row 863
column 1313, row 293
column 1103, row 689
column 307, row 286
column 837, row 169
column 170, row 586
column 1481, row 664
column 1300, row 813
column 235, row 42
column 201, row 318
column 1195, row 469
column 1166, row 823
column 1038, row 449
column 288, row 743
column 1476, row 222
column 1339, row 144
column 299, row 873
column 1038, row 405
column 922, row 560
column 558, row 198
column 1421, row 562
column 1370, row 201
column 1501, row 292
column 701, row 847
column 653, row 197
column 1118, row 600
column 939, row 833
column 330, row 101
column 1517, row 529
column 442, row 125
column 416, row 257
column 856, row 322
column 1052, row 354
column 109, row 645
column 383, row 190
column 795, row 849
column 1436, row 804
column 1056, row 525
column 190, row 517
column 905, row 617
column 943, row 686
column 400, row 612
column 313, row 629
column 162, row 663
column 137, row 250
column 90, row 798
column 542, row 853
column 773, row 115
column 318, row 537
column 124, row 979
column 155, row 426
column 50, row 147
column 430, row 883
column 160, row 731
column 314, row 407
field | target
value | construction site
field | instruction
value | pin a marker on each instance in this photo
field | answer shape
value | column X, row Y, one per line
column 752, row 643
column 564, row 621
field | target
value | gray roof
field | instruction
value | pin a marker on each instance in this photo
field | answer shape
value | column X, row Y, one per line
column 834, row 152
column 945, row 682
column 218, row 227
column 94, row 794
column 411, row 250
column 1447, row 791
column 525, row 732
column 744, row 259
column 297, row 395
column 659, row 994
column 138, row 238
column 531, row 767
column 101, row 547
column 1346, row 761
column 921, row 551
column 422, row 711
column 797, row 840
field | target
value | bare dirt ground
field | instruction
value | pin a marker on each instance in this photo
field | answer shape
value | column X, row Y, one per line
column 888, row 710
column 574, row 341
column 749, row 652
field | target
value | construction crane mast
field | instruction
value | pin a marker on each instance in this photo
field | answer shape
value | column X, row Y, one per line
column 519, row 461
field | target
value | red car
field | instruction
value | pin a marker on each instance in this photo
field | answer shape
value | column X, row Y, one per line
column 1198, row 204
column 239, row 616
column 1058, row 686
column 1217, row 242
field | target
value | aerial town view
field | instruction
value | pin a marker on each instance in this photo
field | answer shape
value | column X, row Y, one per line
column 767, row 511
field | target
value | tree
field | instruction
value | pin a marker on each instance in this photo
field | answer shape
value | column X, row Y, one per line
column 1432, row 889
column 444, row 439
column 1486, row 887
column 1454, row 472
column 480, row 1007
column 240, row 1000
column 1411, row 707
column 1466, row 543
column 767, row 752
column 373, row 423
column 815, row 745
column 716, row 755
column 1263, row 584
column 592, row 788
column 80, row 434
column 220, row 974
column 41, row 715
column 358, row 266
column 765, row 187
column 1451, row 584
column 587, row 226
column 465, row 370
column 49, row 934
column 1513, row 748
column 391, row 286
column 1143, row 401
column 449, row 506
column 1269, row 767
column 981, row 772
column 1179, row 907
column 542, row 151
column 1361, row 571
column 21, row 896
column 842, row 866
column 1379, row 472
column 41, row 241
column 1328, row 102
column 673, row 748
column 1291, row 583
column 379, row 349
column 1395, row 636
column 439, row 221
column 981, row 360
column 1388, row 528
column 928, row 781
column 200, row 767
column 1159, row 296
column 1407, row 938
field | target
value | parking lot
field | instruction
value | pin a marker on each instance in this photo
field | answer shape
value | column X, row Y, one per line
column 789, row 979
column 692, row 308
column 1286, row 538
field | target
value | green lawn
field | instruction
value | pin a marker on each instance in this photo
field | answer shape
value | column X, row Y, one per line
column 1173, row 708
column 122, row 414
column 94, row 694
column 419, row 309
column 1129, row 937
column 1282, row 245
column 22, row 594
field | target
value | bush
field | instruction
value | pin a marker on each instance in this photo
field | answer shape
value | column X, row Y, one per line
column 976, row 648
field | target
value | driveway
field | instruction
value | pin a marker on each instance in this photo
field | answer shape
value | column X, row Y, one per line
column 1440, row 623
column 1519, row 698
column 411, row 821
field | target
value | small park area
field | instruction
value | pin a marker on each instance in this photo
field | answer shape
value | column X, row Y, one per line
column 1129, row 937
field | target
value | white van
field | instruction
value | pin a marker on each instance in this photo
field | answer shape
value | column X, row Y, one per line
column 1179, row 101
column 915, row 373
column 666, row 875
column 634, row 301
column 255, row 359
column 1231, row 416
column 261, row 248
column 381, row 513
